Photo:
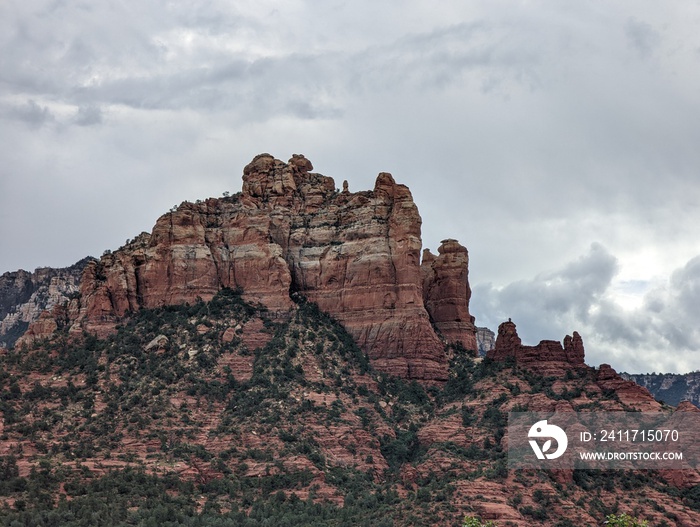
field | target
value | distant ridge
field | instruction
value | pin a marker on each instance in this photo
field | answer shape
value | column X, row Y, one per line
column 24, row 295
column 671, row 388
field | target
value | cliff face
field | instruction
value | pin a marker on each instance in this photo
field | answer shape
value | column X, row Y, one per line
column 24, row 296
column 357, row 255
column 243, row 403
column 486, row 341
column 445, row 288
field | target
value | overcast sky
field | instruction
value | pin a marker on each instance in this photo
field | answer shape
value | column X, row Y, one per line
column 559, row 141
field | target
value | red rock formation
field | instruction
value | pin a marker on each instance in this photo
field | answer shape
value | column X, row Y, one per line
column 686, row 417
column 446, row 292
column 548, row 357
column 355, row 254
column 357, row 257
column 628, row 392
column 41, row 328
column 573, row 347
column 687, row 406
column 508, row 342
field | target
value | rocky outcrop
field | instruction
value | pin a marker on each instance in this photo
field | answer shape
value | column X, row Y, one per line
column 446, row 292
column 549, row 357
column 485, row 341
column 357, row 255
column 628, row 392
column 552, row 358
column 687, row 406
column 508, row 342
column 24, row 296
column 573, row 348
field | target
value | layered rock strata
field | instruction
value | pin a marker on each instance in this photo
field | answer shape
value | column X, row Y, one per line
column 357, row 255
column 626, row 391
column 552, row 358
column 24, row 296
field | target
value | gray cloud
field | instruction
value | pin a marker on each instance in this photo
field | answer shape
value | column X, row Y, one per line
column 88, row 116
column 643, row 37
column 30, row 113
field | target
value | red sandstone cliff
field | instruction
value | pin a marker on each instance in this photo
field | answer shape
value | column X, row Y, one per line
column 357, row 255
column 446, row 292
column 628, row 392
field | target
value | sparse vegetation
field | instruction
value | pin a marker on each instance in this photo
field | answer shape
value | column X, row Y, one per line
column 624, row 520
column 471, row 521
column 171, row 424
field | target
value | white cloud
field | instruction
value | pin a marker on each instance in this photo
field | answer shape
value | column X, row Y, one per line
column 551, row 301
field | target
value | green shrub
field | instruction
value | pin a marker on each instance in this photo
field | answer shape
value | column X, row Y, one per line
column 471, row 521
column 624, row 520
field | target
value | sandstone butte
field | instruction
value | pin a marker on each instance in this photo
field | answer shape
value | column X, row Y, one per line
column 356, row 254
column 552, row 358
column 550, row 353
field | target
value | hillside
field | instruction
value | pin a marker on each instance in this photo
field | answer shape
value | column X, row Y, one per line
column 220, row 411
